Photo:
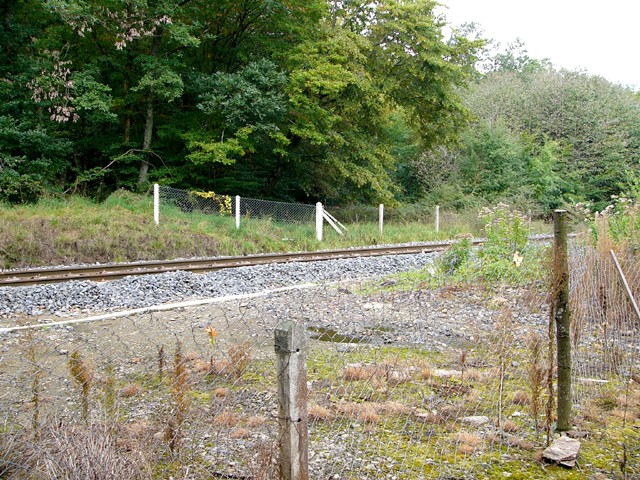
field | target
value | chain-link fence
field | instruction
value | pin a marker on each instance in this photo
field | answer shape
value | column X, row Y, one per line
column 278, row 211
column 606, row 348
column 195, row 202
column 427, row 383
column 244, row 209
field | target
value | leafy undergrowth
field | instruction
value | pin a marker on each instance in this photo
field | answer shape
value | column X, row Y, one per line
column 507, row 257
column 77, row 230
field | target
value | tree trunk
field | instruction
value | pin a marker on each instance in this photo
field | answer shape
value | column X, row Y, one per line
column 148, row 118
column 146, row 141
column 127, row 113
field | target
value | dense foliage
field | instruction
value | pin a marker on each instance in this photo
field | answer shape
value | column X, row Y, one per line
column 271, row 98
column 541, row 138
column 343, row 101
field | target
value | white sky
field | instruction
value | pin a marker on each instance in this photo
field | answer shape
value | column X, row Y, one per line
column 602, row 37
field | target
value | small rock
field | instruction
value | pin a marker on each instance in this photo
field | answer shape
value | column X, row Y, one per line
column 373, row 306
column 563, row 451
column 475, row 420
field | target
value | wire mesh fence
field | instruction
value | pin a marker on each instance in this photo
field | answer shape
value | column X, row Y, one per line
column 241, row 207
column 606, row 347
column 278, row 211
column 427, row 383
column 196, row 202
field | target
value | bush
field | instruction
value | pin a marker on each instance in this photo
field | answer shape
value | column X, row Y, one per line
column 456, row 255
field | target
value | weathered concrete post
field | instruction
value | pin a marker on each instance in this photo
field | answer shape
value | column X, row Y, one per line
column 319, row 221
column 562, row 319
column 290, row 345
column 237, row 211
column 156, row 203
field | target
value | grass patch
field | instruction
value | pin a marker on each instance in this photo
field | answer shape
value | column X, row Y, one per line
column 78, row 230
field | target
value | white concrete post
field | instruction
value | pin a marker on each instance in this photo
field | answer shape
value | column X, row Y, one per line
column 381, row 216
column 437, row 218
column 156, row 203
column 319, row 220
column 237, row 211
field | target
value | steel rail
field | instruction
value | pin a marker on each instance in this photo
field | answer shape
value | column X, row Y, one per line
column 13, row 278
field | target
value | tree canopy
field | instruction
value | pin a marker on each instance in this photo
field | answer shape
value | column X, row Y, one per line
column 331, row 100
column 541, row 137
column 277, row 98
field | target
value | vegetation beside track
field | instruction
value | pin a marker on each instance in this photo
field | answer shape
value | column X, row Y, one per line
column 78, row 230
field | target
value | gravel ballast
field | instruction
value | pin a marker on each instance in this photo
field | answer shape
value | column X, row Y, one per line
column 144, row 291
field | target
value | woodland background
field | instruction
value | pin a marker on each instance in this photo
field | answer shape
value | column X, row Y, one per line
column 340, row 101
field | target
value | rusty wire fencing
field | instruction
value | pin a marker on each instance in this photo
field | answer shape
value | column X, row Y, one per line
column 185, row 392
column 606, row 348
column 422, row 383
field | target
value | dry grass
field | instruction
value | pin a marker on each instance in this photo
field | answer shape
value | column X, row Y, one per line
column 359, row 372
column 256, row 421
column 240, row 433
column 368, row 414
column 265, row 466
column 431, row 418
column 181, row 400
column 510, row 426
column 395, row 408
column 392, row 373
column 348, row 409
column 520, row 397
column 625, row 414
column 467, row 443
column 82, row 373
column 221, row 392
column 191, row 356
column 226, row 419
column 426, row 373
column 473, row 374
column 201, row 366
column 240, row 357
column 72, row 452
column 234, row 365
column 318, row 412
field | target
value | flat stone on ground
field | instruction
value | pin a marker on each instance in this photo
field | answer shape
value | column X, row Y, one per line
column 475, row 420
column 563, row 451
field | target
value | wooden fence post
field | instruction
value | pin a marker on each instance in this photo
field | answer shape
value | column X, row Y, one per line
column 562, row 317
column 290, row 346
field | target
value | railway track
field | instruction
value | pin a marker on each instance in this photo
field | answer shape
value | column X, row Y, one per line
column 14, row 278
column 114, row 271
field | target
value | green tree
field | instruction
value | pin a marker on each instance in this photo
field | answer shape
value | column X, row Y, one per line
column 596, row 122
column 493, row 162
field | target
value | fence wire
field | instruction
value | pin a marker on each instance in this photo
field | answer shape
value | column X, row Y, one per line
column 439, row 383
column 196, row 202
column 606, row 347
column 278, row 211
column 250, row 208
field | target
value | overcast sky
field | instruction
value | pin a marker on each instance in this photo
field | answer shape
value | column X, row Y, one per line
column 602, row 37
